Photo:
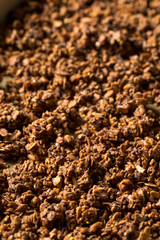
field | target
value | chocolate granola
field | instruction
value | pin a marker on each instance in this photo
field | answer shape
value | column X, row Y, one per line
column 80, row 120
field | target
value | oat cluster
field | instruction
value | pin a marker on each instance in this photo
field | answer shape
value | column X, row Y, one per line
column 80, row 119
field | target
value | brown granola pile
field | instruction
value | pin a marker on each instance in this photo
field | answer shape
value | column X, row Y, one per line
column 80, row 118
